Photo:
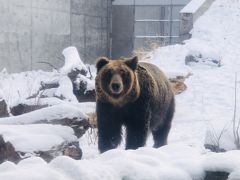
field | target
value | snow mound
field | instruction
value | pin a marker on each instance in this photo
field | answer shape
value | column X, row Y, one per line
column 165, row 163
column 48, row 114
column 17, row 87
column 36, row 137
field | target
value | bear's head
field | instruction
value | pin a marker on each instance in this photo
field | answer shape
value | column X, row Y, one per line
column 116, row 81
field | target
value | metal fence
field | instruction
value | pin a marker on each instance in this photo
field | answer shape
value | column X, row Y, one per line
column 160, row 25
column 148, row 23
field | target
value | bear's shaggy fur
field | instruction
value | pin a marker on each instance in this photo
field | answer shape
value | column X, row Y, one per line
column 136, row 95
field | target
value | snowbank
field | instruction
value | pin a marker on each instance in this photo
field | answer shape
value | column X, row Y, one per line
column 165, row 163
column 46, row 114
column 36, row 137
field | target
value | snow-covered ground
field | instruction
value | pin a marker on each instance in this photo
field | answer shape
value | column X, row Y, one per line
column 202, row 112
column 143, row 164
column 208, row 104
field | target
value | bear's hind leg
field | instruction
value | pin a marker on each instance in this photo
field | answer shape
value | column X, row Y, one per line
column 160, row 135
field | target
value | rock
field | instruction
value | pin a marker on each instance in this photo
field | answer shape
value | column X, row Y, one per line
column 199, row 58
column 214, row 148
column 211, row 175
column 24, row 108
column 79, row 127
column 7, row 152
column 80, row 84
column 71, row 149
column 178, row 85
column 3, row 109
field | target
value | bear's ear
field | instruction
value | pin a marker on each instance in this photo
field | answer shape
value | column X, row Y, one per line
column 102, row 61
column 132, row 63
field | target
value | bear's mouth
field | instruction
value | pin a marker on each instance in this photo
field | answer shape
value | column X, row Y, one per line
column 115, row 90
column 116, row 96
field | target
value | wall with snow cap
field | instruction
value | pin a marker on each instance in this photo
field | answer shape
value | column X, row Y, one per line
column 33, row 31
column 190, row 13
column 142, row 24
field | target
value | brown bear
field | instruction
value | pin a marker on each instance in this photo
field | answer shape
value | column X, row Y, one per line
column 136, row 95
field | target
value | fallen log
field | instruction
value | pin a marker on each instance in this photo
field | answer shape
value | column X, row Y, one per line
column 216, row 175
column 25, row 108
column 47, row 141
column 62, row 114
column 75, row 69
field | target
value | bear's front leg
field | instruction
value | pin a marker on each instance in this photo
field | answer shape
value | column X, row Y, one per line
column 137, row 130
column 109, row 128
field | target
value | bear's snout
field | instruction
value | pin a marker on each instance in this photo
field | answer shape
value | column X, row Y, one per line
column 116, row 85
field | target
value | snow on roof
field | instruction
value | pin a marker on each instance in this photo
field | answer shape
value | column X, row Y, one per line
column 192, row 6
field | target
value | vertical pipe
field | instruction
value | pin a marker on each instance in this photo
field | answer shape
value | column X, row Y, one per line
column 31, row 37
column 70, row 25
column 162, row 24
column 134, row 23
column 171, row 21
column 109, row 28
column 85, row 39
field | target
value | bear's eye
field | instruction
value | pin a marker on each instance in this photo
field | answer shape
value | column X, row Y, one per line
column 109, row 73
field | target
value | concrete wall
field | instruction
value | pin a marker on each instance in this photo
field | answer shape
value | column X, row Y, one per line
column 122, row 31
column 32, row 31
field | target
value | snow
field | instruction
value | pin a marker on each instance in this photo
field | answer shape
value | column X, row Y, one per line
column 72, row 61
column 203, row 113
column 36, row 137
column 65, row 89
column 90, row 83
column 164, row 163
column 208, row 103
column 171, row 63
column 193, row 6
column 19, row 86
column 228, row 161
column 48, row 114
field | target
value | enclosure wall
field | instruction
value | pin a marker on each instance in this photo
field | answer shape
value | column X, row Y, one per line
column 33, row 32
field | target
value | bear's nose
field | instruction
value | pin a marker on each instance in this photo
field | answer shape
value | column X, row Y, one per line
column 115, row 87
